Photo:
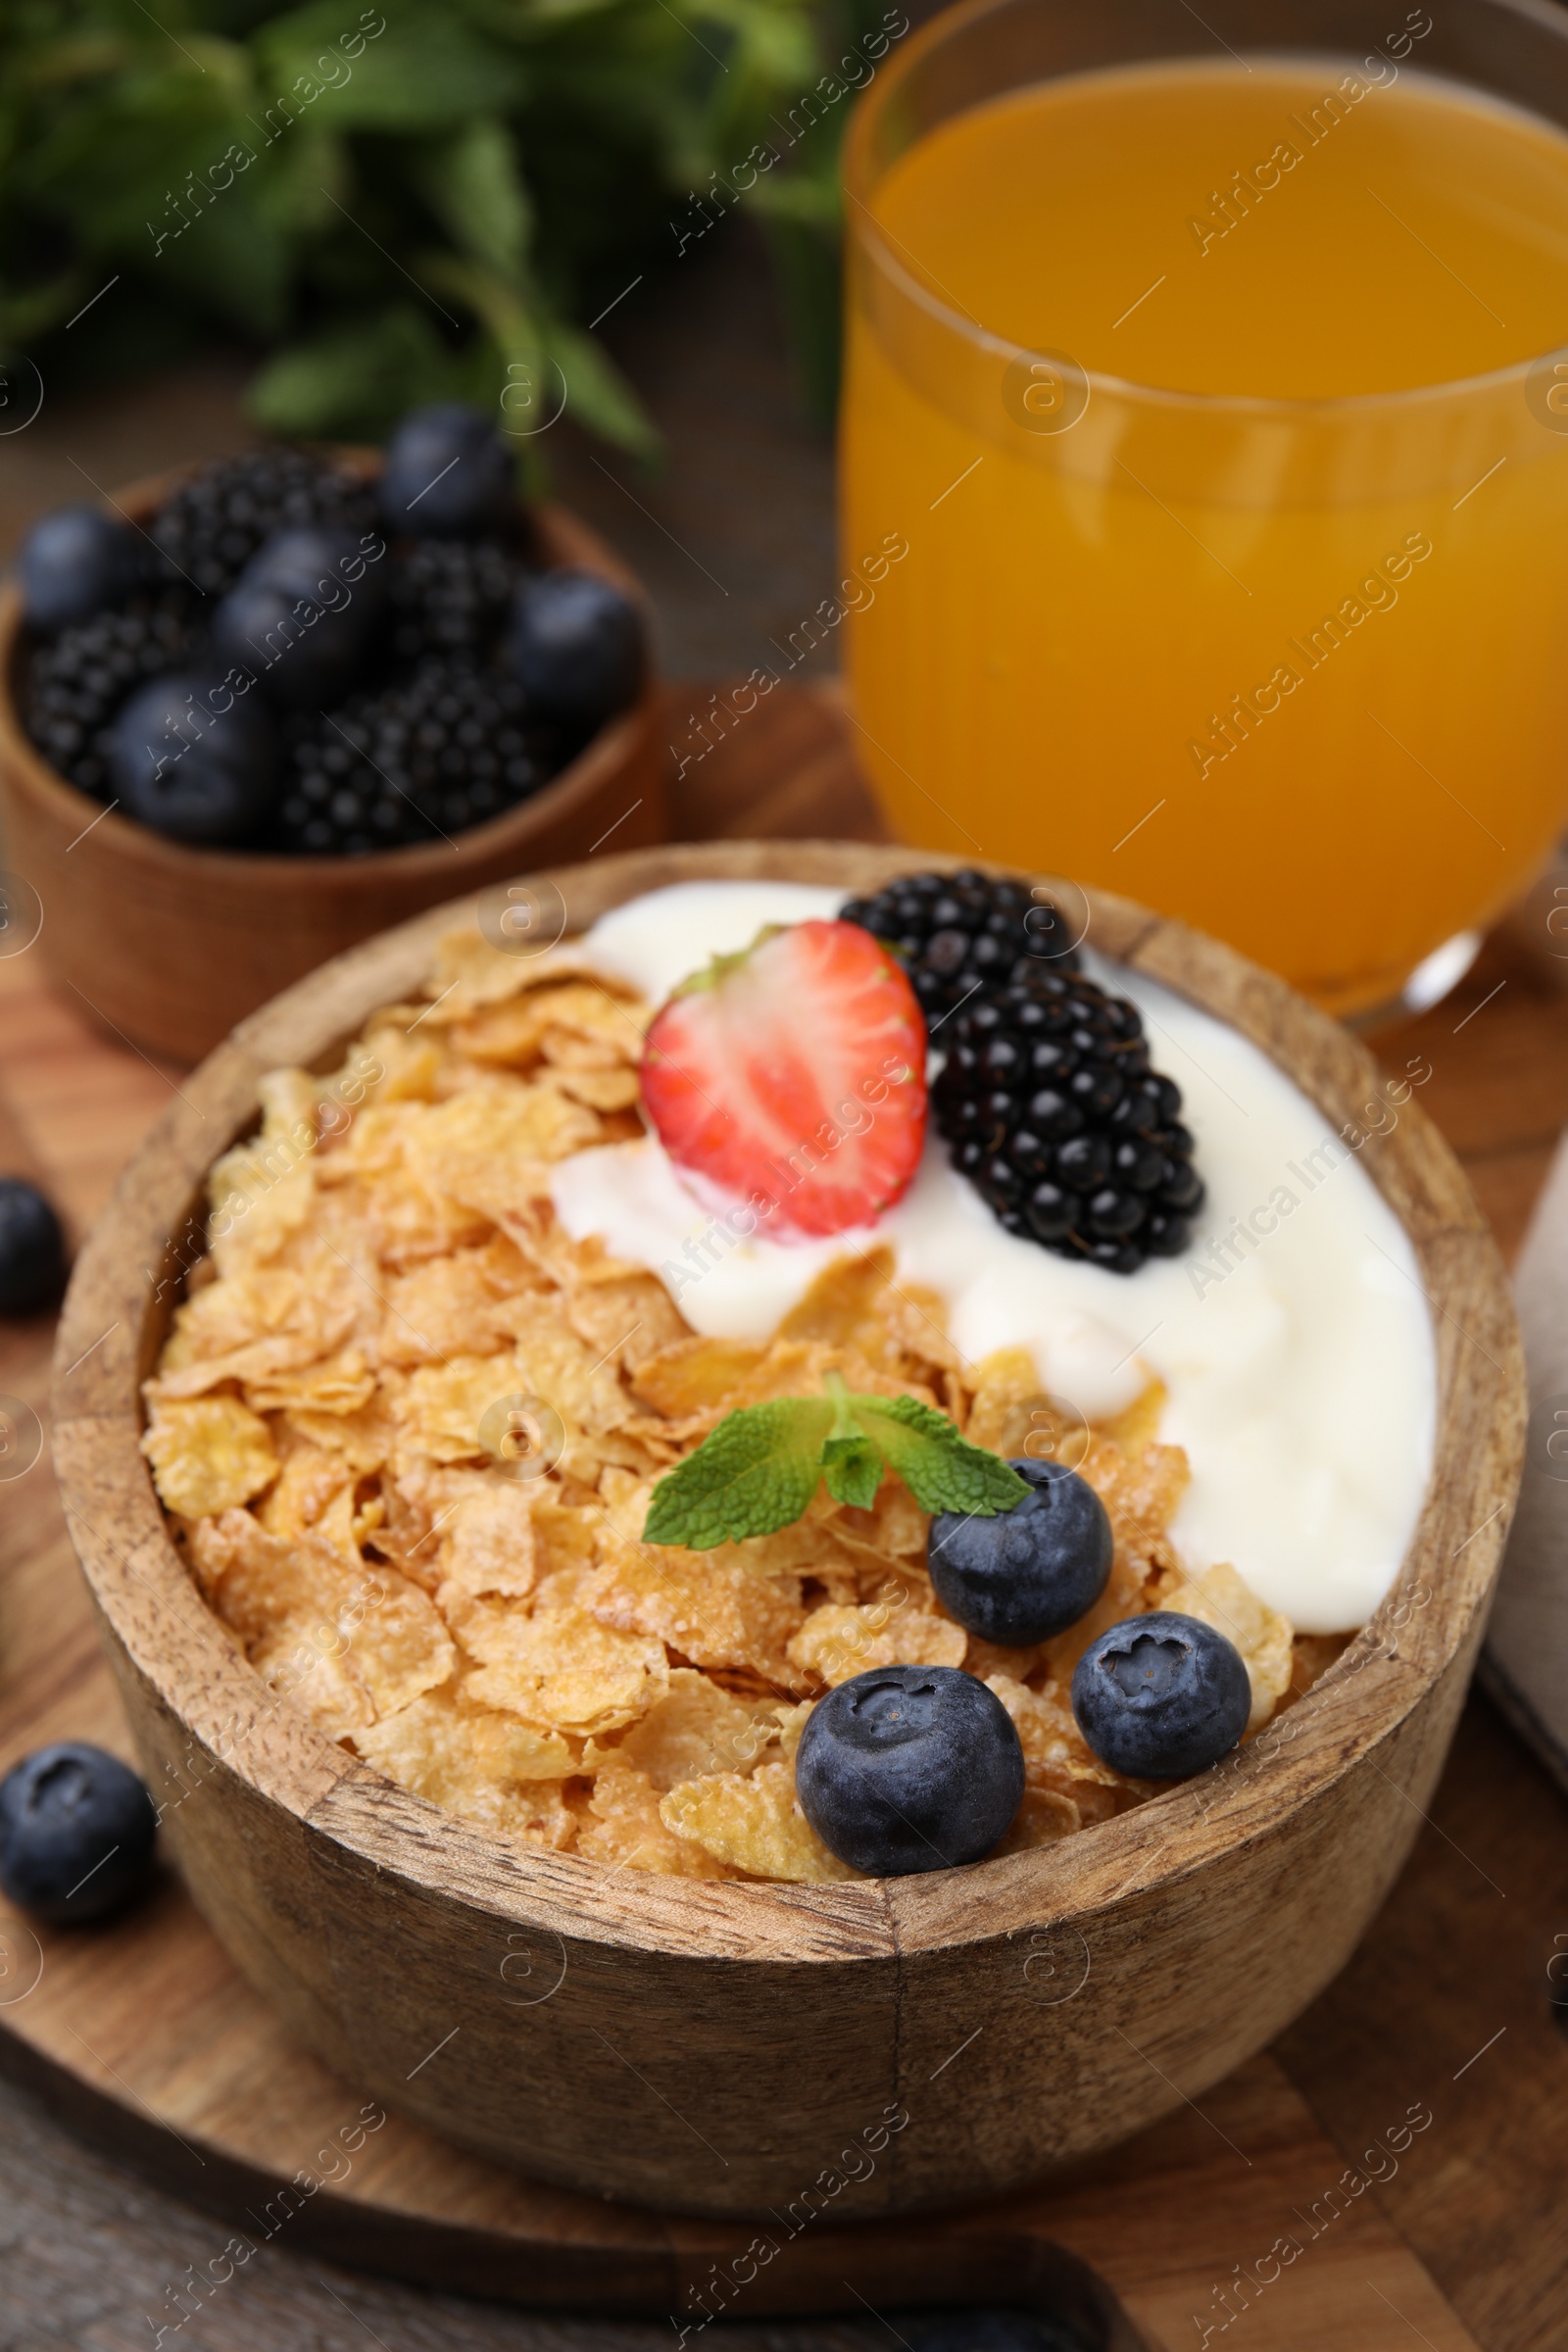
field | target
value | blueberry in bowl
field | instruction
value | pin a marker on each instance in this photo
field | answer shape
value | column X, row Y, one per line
column 909, row 1768
column 1162, row 1696
column 77, row 1834
column 447, row 470
column 32, row 1248
column 192, row 760
column 1028, row 1573
column 74, row 563
column 575, row 647
column 303, row 615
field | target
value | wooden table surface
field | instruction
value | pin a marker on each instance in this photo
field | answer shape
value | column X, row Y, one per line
column 1447, row 2003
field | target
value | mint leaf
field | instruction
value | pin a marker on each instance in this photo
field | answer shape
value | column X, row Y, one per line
column 759, row 1470
column 943, row 1471
column 852, row 1467
column 851, row 1470
column 755, row 1473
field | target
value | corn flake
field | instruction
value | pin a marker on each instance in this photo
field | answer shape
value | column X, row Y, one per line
column 837, row 1644
column 690, row 1376
column 696, row 1729
column 1219, row 1597
column 1044, row 1818
column 625, row 1828
column 723, row 1607
column 208, row 1455
column 602, row 1091
column 490, row 1148
column 1056, row 1753
column 306, row 1615
column 755, row 1824
column 477, row 1764
column 561, row 1668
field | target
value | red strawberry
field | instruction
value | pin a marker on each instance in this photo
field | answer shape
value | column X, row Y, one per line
column 792, row 1076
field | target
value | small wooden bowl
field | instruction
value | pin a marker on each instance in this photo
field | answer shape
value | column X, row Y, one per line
column 172, row 946
column 727, row 2048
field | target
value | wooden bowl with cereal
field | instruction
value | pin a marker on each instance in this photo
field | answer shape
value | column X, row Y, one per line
column 495, row 1770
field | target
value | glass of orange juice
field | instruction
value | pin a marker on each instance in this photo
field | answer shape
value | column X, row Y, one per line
column 1204, row 461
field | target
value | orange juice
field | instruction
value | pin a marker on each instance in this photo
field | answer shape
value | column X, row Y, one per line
column 1210, row 401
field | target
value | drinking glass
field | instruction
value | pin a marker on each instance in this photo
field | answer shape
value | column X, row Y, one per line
column 1291, row 667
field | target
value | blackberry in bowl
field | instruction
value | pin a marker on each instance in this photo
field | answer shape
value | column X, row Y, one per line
column 450, row 599
column 959, row 934
column 415, row 764
column 208, row 527
column 418, row 763
column 1054, row 1112
column 80, row 680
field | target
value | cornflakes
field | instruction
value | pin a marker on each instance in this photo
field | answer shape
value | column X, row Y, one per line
column 563, row 1669
column 475, row 1763
column 836, row 1643
column 754, row 1823
column 623, row 1825
column 1044, row 1818
column 717, row 1608
column 696, row 1727
column 334, row 1424
column 301, row 1609
column 1219, row 1597
column 209, row 1455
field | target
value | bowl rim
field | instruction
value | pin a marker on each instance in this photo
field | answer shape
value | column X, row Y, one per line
column 1426, row 1631
column 566, row 538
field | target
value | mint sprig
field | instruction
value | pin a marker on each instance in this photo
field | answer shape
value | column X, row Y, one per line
column 759, row 1470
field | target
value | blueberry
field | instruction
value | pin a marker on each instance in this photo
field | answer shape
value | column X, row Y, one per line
column 1030, row 1572
column 575, row 647
column 1162, row 1696
column 301, row 615
column 448, row 473
column 74, row 563
column 909, row 1768
column 32, row 1248
column 189, row 769
column 76, row 1831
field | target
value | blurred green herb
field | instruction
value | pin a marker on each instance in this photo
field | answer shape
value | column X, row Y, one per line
column 411, row 200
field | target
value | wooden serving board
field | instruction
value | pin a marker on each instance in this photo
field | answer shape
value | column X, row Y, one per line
column 144, row 2034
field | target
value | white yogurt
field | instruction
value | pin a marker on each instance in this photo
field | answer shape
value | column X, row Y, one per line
column 1298, row 1359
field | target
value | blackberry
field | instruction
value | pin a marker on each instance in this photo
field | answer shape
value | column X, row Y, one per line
column 211, row 527
column 449, row 748
column 958, row 934
column 77, row 684
column 449, row 598
column 1056, row 1117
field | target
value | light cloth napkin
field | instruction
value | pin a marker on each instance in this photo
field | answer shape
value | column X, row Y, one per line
column 1525, row 1666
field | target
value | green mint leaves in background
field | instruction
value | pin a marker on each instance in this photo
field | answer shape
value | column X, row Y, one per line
column 407, row 200
column 759, row 1470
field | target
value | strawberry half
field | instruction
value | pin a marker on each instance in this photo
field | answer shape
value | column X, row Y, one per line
column 792, row 1076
